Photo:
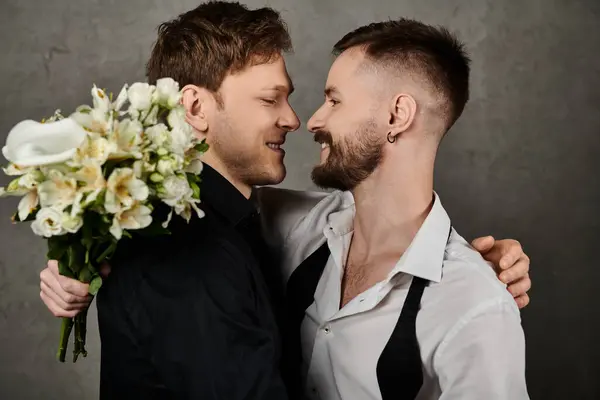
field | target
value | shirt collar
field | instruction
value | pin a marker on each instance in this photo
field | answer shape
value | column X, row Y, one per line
column 425, row 255
column 223, row 197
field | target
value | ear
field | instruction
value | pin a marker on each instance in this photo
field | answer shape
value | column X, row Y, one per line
column 403, row 111
column 197, row 104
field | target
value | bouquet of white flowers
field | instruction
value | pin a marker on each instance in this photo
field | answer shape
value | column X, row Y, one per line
column 88, row 179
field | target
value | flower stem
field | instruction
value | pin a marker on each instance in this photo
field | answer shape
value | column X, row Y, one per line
column 65, row 331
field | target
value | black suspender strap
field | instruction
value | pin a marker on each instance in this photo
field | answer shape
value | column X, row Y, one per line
column 300, row 294
column 399, row 368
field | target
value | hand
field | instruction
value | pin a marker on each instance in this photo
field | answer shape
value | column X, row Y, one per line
column 64, row 297
column 511, row 265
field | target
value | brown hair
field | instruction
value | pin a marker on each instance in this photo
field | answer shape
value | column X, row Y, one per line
column 433, row 52
column 203, row 45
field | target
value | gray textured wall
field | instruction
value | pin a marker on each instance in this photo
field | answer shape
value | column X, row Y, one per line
column 520, row 163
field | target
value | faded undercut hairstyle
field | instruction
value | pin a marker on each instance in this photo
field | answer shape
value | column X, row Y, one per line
column 412, row 47
column 202, row 46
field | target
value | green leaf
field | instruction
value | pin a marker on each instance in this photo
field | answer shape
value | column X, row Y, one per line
column 95, row 285
column 107, row 253
column 85, row 275
column 57, row 248
column 195, row 189
column 202, row 147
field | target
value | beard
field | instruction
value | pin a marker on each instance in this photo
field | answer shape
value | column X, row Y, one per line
column 351, row 161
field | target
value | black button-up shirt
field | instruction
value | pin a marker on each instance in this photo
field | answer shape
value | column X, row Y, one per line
column 190, row 315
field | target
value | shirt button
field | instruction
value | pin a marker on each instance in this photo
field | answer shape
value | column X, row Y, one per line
column 327, row 329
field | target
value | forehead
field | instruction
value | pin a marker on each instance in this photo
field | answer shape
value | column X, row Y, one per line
column 267, row 75
column 348, row 71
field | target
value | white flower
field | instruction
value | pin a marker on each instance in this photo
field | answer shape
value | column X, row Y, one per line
column 158, row 135
column 139, row 217
column 90, row 175
column 165, row 166
column 167, row 92
column 48, row 223
column 28, row 203
column 30, row 180
column 150, row 118
column 194, row 167
column 121, row 98
column 181, row 141
column 30, row 143
column 127, row 136
column 123, row 190
column 176, row 118
column 140, row 96
column 58, row 192
column 71, row 223
column 100, row 99
column 175, row 189
column 16, row 170
column 94, row 149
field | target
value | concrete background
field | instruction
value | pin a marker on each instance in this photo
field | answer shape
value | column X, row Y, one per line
column 522, row 162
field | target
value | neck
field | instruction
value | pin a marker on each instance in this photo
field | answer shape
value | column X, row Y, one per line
column 393, row 202
column 217, row 165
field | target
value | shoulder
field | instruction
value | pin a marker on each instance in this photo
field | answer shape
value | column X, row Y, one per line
column 468, row 275
column 468, row 291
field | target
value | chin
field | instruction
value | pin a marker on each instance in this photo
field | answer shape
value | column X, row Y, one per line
column 273, row 176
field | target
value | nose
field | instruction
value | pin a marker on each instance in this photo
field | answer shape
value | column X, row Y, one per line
column 316, row 122
column 289, row 120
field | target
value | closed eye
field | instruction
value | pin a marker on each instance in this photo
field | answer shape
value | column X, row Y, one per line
column 270, row 101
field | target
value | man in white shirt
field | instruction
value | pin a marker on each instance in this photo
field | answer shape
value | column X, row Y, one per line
column 391, row 301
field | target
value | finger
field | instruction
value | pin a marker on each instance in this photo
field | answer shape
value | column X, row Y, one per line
column 69, row 285
column 60, row 302
column 483, row 244
column 520, row 287
column 516, row 272
column 53, row 266
column 522, row 301
column 511, row 254
column 55, row 309
column 77, row 290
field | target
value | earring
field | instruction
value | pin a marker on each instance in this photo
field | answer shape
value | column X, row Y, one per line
column 390, row 138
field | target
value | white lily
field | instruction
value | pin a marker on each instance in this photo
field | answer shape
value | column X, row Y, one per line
column 123, row 190
column 121, row 98
column 94, row 149
column 48, row 223
column 58, row 192
column 30, row 143
column 127, row 136
column 93, row 180
column 167, row 92
column 138, row 217
column 28, row 203
column 16, row 170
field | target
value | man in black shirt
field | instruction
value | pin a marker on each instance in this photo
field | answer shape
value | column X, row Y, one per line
column 199, row 314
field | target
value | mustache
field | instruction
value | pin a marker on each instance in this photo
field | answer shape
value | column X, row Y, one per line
column 323, row 137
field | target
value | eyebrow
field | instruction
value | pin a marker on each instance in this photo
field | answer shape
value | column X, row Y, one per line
column 282, row 88
column 331, row 90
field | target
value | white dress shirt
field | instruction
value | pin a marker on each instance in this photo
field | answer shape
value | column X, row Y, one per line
column 468, row 328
